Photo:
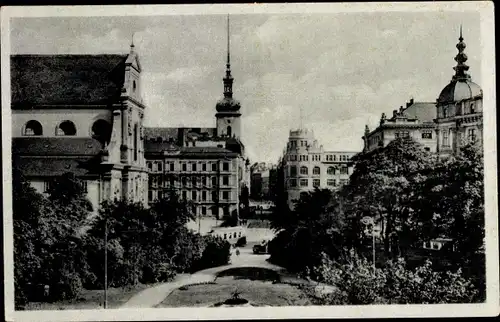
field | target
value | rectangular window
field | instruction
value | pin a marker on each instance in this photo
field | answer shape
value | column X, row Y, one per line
column 225, row 166
column 293, row 182
column 343, row 182
column 203, row 195
column 334, row 157
column 225, row 180
column 184, row 195
column 193, row 195
column 214, row 166
column 446, row 138
column 427, row 135
column 203, row 210
column 225, row 195
column 184, row 167
column 184, row 181
column 406, row 134
column 293, row 170
column 214, row 181
column 316, row 182
column 344, row 170
column 193, row 167
column 160, row 166
column 396, row 135
column 471, row 134
column 203, row 166
column 160, row 195
column 303, row 170
column 303, row 182
column 150, row 166
column 172, row 166
column 150, row 195
column 331, row 182
column 214, row 195
column 155, row 167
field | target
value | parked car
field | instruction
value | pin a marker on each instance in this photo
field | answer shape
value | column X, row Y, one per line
column 260, row 249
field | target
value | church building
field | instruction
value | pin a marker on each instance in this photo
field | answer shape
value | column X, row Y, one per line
column 81, row 114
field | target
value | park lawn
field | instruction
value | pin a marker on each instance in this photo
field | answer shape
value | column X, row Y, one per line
column 258, row 293
column 92, row 299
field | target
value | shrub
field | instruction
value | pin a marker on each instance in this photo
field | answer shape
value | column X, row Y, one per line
column 217, row 252
column 242, row 241
column 357, row 282
column 68, row 287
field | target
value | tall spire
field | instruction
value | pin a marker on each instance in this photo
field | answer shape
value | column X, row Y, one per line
column 132, row 43
column 228, row 79
column 461, row 68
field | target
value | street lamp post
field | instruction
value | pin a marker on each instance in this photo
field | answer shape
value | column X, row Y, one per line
column 106, row 262
column 369, row 222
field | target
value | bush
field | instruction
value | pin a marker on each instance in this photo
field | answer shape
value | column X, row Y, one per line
column 217, row 252
column 68, row 287
column 242, row 241
column 357, row 282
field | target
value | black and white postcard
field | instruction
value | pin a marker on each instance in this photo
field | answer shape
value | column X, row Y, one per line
column 249, row 161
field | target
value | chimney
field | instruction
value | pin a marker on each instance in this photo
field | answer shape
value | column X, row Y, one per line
column 401, row 109
column 394, row 113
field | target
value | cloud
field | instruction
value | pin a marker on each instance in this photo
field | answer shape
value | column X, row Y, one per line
column 331, row 72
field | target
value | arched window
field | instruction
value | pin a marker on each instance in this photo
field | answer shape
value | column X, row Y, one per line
column 33, row 128
column 331, row 170
column 316, row 170
column 303, row 170
column 229, row 131
column 66, row 128
column 101, row 130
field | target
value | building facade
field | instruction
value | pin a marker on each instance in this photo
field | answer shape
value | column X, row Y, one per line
column 205, row 166
column 307, row 166
column 91, row 126
column 459, row 109
column 455, row 119
column 415, row 120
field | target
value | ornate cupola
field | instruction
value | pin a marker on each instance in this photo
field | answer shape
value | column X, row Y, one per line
column 461, row 87
column 228, row 103
column 228, row 109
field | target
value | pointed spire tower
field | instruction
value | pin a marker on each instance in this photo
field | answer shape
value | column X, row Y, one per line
column 461, row 68
column 228, row 109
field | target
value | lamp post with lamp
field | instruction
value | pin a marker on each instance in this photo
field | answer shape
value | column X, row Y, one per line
column 370, row 224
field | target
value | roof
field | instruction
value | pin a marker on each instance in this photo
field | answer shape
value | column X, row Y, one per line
column 158, row 147
column 423, row 111
column 227, row 104
column 66, row 79
column 50, row 167
column 63, row 146
column 163, row 132
column 458, row 90
column 206, row 151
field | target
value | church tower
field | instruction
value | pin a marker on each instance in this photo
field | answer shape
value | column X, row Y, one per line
column 228, row 116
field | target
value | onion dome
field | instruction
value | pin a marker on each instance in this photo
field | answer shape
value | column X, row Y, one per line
column 461, row 86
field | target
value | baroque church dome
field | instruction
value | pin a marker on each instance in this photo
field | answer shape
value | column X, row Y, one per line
column 228, row 104
column 461, row 86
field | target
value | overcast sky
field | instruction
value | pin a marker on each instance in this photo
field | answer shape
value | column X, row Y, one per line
column 342, row 70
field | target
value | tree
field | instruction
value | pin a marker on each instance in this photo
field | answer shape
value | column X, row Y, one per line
column 381, row 187
column 315, row 226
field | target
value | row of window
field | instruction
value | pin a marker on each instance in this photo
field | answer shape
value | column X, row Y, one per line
column 100, row 128
column 317, row 157
column 157, row 166
column 186, row 181
column 295, row 143
column 471, row 137
column 467, row 109
column 316, row 182
column 191, row 195
column 47, row 185
column 317, row 170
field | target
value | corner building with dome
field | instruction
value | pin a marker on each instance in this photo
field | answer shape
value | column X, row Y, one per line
column 442, row 127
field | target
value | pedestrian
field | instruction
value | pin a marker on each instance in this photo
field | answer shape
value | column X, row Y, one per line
column 237, row 251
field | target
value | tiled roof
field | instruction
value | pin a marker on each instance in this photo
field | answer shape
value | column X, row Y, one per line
column 423, row 111
column 62, row 146
column 163, row 132
column 158, row 147
column 50, row 167
column 66, row 79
